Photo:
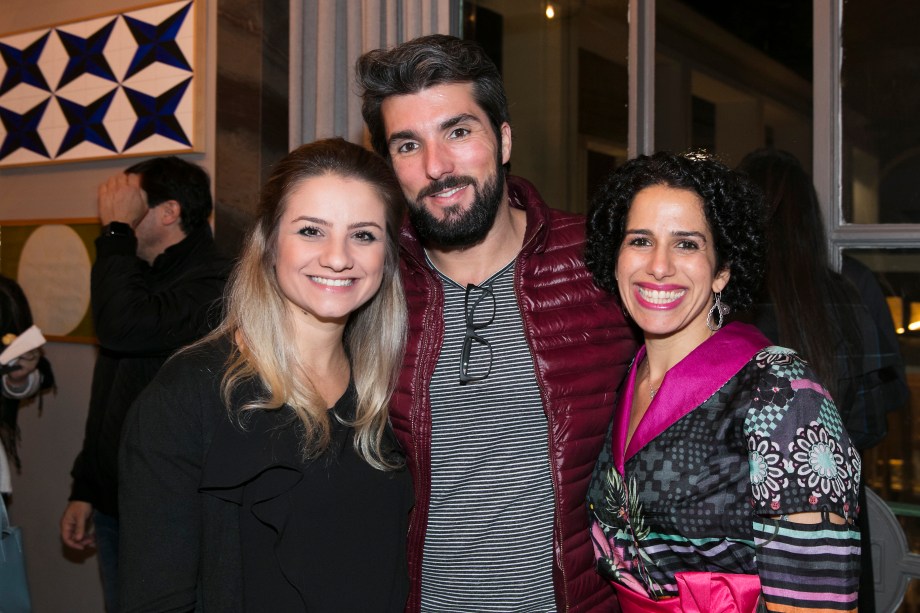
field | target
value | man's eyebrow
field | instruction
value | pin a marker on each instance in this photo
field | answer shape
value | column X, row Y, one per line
column 401, row 135
column 450, row 123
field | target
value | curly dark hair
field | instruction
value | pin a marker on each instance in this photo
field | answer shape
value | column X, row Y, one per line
column 732, row 206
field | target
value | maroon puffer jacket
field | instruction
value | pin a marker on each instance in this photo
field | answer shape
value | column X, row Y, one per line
column 581, row 346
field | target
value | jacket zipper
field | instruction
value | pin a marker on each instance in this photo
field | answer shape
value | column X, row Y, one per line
column 423, row 382
column 557, row 520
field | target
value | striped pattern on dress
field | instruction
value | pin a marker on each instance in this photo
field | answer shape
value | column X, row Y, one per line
column 807, row 568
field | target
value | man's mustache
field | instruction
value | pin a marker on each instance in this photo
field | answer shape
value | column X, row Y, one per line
column 444, row 184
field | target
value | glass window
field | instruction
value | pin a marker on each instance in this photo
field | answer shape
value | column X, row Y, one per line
column 880, row 97
column 892, row 468
column 564, row 68
column 731, row 77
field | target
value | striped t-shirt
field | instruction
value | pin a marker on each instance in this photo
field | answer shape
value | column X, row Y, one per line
column 488, row 545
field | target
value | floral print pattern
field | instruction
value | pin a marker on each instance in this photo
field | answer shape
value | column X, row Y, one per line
column 768, row 477
column 775, row 356
column 815, row 460
column 618, row 535
column 776, row 390
column 819, row 462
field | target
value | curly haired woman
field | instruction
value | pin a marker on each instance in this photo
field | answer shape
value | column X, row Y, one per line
column 728, row 482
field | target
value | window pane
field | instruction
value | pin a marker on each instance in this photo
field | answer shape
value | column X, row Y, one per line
column 731, row 77
column 567, row 85
column 881, row 127
column 892, row 468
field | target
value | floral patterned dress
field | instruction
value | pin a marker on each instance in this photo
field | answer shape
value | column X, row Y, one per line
column 739, row 436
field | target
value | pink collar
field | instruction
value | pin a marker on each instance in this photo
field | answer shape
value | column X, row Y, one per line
column 686, row 386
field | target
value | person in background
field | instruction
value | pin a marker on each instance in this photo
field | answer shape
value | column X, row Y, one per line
column 728, row 479
column 155, row 282
column 513, row 356
column 258, row 470
column 805, row 305
column 822, row 315
column 31, row 373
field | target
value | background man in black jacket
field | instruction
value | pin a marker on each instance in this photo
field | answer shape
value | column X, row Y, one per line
column 155, row 285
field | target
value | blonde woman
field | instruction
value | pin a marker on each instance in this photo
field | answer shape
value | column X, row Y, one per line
column 258, row 471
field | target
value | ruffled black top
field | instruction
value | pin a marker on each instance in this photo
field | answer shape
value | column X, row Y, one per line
column 322, row 535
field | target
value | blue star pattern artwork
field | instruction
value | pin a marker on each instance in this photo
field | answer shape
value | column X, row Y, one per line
column 122, row 84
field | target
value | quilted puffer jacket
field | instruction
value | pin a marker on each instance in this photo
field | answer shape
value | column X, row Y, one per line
column 581, row 347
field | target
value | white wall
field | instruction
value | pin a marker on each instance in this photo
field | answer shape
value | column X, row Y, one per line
column 52, row 438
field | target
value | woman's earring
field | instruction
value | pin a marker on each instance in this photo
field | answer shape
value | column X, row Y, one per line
column 720, row 309
column 625, row 312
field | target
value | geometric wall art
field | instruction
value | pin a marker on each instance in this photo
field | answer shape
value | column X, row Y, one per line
column 123, row 84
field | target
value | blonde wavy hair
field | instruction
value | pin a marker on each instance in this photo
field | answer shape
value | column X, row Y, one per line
column 258, row 326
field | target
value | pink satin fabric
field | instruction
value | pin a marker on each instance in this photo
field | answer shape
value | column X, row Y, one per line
column 699, row 592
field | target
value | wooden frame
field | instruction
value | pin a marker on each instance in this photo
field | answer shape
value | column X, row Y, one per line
column 51, row 261
column 122, row 84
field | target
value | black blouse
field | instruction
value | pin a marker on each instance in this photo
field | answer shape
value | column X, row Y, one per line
column 322, row 535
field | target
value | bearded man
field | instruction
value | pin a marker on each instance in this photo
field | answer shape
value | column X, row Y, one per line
column 513, row 356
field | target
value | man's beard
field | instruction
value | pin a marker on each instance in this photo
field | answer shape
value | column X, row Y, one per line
column 459, row 228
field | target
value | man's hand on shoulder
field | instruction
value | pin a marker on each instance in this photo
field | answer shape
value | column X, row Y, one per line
column 122, row 199
column 77, row 529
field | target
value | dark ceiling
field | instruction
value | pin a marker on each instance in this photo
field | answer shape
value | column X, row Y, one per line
column 779, row 28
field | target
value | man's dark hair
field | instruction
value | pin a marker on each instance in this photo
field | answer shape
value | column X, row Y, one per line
column 421, row 63
column 170, row 178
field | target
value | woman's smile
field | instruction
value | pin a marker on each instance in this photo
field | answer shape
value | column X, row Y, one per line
column 659, row 297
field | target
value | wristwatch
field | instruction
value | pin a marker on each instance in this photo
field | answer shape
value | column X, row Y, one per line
column 117, row 228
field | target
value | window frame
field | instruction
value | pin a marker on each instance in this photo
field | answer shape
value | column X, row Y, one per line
column 827, row 124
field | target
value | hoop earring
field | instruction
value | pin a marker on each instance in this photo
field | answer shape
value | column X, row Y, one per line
column 720, row 309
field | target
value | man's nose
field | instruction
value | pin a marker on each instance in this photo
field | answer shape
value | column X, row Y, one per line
column 438, row 161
